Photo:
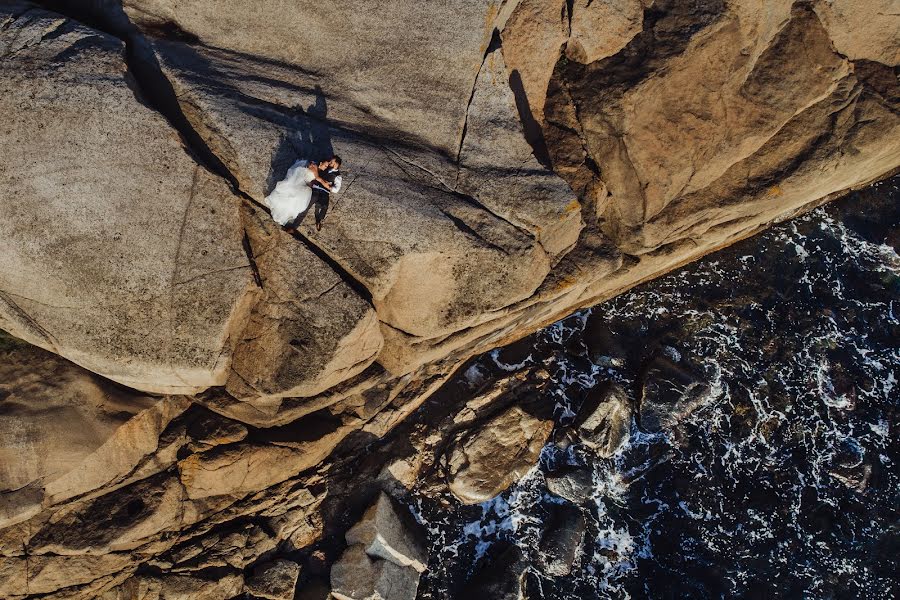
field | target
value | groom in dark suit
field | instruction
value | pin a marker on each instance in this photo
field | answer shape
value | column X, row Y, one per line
column 321, row 196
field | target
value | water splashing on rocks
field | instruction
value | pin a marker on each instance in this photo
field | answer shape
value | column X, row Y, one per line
column 758, row 462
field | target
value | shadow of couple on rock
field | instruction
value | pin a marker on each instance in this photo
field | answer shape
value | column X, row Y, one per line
column 311, row 141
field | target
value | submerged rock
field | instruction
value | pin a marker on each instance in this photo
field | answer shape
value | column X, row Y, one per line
column 501, row 576
column 604, row 421
column 561, row 539
column 669, row 394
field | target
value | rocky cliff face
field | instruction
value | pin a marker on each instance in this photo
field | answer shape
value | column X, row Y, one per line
column 506, row 163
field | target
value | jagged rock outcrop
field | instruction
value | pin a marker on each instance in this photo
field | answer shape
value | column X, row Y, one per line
column 383, row 560
column 384, row 534
column 275, row 580
column 505, row 164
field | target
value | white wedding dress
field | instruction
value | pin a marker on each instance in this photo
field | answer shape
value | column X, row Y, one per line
column 292, row 195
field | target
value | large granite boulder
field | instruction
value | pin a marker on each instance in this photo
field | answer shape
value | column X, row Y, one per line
column 438, row 243
column 117, row 249
column 782, row 119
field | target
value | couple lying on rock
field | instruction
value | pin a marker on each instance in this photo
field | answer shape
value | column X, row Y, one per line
column 292, row 195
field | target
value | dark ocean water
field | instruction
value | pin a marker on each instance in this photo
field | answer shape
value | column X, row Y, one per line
column 783, row 481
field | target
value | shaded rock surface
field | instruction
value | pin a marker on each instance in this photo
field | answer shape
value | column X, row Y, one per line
column 275, row 580
column 357, row 576
column 386, row 535
column 502, row 577
column 659, row 171
column 383, row 559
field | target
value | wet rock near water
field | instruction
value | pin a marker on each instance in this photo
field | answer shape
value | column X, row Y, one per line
column 604, row 423
column 574, row 484
column 502, row 577
column 489, row 460
column 383, row 559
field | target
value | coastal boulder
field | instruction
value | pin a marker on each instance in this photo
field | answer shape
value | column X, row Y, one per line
column 491, row 458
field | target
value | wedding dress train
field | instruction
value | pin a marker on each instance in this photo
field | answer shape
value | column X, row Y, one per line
column 292, row 195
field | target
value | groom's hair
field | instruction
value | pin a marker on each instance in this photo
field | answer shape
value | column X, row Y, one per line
column 337, row 159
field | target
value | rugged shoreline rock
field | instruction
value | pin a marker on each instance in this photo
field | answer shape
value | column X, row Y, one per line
column 507, row 164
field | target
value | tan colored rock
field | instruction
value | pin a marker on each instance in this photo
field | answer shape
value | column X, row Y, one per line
column 247, row 467
column 496, row 455
column 121, row 520
column 45, row 574
column 777, row 102
column 498, row 166
column 309, row 332
column 863, row 30
column 275, row 580
column 356, row 576
column 434, row 260
column 177, row 587
column 533, row 39
column 117, row 250
column 62, row 414
column 601, row 28
column 703, row 124
column 73, row 432
column 212, row 430
column 385, row 535
column 134, row 441
column 398, row 71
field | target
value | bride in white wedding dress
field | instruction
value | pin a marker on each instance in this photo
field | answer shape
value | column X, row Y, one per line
column 293, row 194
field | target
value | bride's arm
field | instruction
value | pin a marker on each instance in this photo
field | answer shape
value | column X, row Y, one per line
column 315, row 171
